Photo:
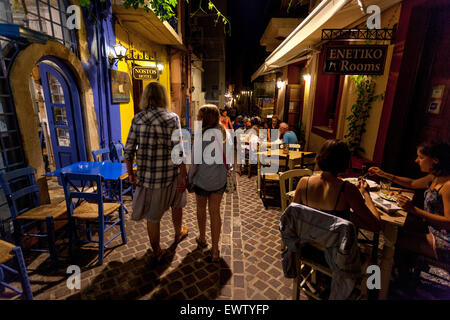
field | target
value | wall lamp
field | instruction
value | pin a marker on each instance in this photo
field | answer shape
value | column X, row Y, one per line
column 120, row 53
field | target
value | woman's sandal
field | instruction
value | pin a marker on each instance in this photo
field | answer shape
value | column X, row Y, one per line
column 210, row 258
column 201, row 244
column 183, row 234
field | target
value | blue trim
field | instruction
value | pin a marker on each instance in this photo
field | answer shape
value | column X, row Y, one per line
column 76, row 103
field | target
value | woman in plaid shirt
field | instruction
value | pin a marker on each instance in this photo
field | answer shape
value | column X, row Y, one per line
column 160, row 183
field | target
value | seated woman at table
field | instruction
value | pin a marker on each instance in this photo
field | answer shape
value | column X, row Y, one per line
column 433, row 159
column 329, row 193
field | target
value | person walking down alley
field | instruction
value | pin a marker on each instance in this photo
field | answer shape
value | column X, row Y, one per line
column 159, row 182
column 225, row 120
column 209, row 181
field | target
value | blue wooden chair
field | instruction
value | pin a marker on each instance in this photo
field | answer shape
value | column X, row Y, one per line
column 9, row 252
column 94, row 210
column 117, row 156
column 27, row 213
column 102, row 155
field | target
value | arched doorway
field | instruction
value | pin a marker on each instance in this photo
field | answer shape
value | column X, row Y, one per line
column 61, row 129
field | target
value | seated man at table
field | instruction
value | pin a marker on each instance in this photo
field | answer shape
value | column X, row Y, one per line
column 288, row 136
column 160, row 183
column 329, row 193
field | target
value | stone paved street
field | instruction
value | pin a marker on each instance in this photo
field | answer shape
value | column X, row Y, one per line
column 250, row 266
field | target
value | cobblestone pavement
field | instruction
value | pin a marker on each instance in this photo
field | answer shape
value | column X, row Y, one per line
column 250, row 267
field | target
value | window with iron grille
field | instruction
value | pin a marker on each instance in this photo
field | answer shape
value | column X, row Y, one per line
column 45, row 16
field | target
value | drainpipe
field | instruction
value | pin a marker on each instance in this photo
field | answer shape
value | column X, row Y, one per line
column 105, row 69
column 99, row 83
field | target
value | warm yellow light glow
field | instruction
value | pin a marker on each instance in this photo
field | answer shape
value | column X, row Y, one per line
column 152, row 64
column 160, row 66
column 280, row 84
column 307, row 77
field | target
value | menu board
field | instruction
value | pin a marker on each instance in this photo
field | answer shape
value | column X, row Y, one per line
column 120, row 86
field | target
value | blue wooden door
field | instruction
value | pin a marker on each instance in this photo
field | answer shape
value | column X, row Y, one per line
column 60, row 104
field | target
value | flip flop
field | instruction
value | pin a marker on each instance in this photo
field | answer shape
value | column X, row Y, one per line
column 201, row 244
column 183, row 235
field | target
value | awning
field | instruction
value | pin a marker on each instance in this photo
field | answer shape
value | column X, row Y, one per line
column 329, row 14
column 147, row 25
column 17, row 32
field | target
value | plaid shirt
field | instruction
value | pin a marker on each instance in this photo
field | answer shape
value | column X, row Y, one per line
column 150, row 133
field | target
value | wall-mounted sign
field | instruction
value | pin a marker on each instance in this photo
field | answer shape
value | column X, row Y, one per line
column 437, row 93
column 120, row 86
column 358, row 59
column 145, row 73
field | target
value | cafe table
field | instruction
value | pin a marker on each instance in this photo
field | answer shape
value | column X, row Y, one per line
column 108, row 170
column 390, row 223
column 294, row 158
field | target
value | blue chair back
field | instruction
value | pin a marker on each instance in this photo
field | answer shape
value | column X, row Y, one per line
column 74, row 185
column 102, row 155
column 118, row 152
column 21, row 190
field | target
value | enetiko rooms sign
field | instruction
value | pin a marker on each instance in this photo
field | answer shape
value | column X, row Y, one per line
column 358, row 59
column 145, row 73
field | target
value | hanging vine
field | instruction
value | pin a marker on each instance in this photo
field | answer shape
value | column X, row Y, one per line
column 365, row 88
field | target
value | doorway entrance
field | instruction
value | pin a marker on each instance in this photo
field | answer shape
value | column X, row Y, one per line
column 57, row 105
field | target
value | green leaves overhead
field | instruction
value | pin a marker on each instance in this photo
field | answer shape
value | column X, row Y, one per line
column 365, row 88
column 166, row 9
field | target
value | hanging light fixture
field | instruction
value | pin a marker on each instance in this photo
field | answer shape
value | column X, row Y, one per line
column 120, row 51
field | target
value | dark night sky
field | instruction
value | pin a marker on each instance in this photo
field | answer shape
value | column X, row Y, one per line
column 243, row 52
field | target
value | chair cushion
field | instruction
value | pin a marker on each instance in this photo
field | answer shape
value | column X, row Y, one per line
column 272, row 176
column 44, row 211
column 90, row 210
column 6, row 253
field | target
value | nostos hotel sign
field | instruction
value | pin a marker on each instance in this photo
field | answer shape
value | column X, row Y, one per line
column 145, row 73
column 360, row 59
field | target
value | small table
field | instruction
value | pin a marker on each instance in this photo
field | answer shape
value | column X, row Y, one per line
column 108, row 170
column 294, row 157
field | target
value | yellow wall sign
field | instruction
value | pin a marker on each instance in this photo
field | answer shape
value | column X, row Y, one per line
column 145, row 73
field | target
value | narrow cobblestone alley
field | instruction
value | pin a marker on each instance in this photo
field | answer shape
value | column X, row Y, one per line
column 250, row 266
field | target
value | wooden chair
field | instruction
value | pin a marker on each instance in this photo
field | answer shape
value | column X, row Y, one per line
column 96, row 211
column 117, row 156
column 100, row 155
column 27, row 213
column 288, row 176
column 287, row 194
column 308, row 161
column 270, row 183
column 294, row 147
column 9, row 252
column 314, row 274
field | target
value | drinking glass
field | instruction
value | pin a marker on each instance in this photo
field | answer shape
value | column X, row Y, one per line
column 385, row 186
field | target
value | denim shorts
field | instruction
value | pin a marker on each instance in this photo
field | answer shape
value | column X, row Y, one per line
column 203, row 193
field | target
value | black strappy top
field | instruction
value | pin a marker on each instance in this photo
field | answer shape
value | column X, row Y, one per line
column 344, row 214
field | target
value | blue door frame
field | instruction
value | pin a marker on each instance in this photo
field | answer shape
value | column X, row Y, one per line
column 62, row 102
